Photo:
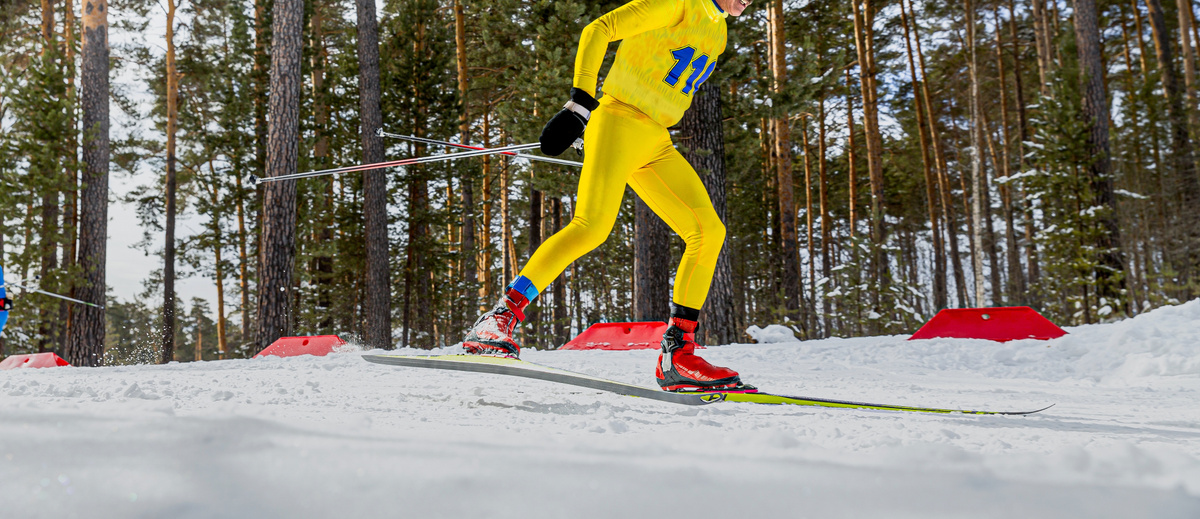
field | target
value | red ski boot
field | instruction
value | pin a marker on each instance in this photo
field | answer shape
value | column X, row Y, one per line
column 492, row 333
column 680, row 369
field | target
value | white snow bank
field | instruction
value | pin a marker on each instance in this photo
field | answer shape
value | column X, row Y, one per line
column 337, row 436
column 773, row 333
column 1161, row 343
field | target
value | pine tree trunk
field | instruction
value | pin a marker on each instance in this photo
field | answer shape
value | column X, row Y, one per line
column 789, row 256
column 826, row 225
column 534, row 314
column 990, row 238
column 49, row 324
column 1109, row 274
column 939, row 249
column 71, row 218
column 1016, row 277
column 86, row 347
column 864, row 38
column 976, row 158
column 322, row 261
column 464, row 130
column 941, row 172
column 1187, row 225
column 378, row 330
column 222, row 342
column 810, row 313
column 702, row 142
column 850, row 155
column 485, row 238
column 559, row 287
column 243, row 264
column 1189, row 61
column 259, row 78
column 1043, row 41
column 278, row 241
column 506, row 241
column 651, row 265
column 168, row 310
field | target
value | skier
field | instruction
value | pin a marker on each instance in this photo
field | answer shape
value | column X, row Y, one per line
column 5, row 302
column 670, row 48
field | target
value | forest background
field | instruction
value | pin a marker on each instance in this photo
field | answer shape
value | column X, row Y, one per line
column 874, row 161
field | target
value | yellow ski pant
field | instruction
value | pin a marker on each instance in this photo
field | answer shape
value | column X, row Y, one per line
column 624, row 146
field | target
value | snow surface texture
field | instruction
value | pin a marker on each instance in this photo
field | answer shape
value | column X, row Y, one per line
column 339, row 437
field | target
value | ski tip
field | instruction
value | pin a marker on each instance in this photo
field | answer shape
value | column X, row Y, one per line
column 1027, row 412
column 1043, row 409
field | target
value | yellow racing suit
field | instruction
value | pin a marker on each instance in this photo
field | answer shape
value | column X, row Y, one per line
column 668, row 49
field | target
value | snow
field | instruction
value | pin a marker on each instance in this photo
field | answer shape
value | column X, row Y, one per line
column 339, row 437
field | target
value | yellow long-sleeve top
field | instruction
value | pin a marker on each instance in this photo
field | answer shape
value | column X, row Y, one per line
column 669, row 48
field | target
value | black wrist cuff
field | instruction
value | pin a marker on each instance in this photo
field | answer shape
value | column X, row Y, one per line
column 584, row 99
column 684, row 312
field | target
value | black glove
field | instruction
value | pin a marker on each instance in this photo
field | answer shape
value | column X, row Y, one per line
column 566, row 127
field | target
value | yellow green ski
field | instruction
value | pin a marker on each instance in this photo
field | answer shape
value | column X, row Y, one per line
column 519, row 368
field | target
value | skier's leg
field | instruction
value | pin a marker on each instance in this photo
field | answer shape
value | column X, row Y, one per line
column 674, row 191
column 619, row 140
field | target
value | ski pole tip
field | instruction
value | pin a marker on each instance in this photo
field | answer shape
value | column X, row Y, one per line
column 253, row 180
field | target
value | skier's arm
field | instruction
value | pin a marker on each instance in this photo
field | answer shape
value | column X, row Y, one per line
column 630, row 19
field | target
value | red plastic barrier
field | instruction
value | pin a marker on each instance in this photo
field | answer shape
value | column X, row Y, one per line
column 36, row 360
column 317, row 345
column 620, row 336
column 1000, row 324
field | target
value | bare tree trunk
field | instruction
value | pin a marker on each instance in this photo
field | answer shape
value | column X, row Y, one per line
column 1016, row 277
column 243, row 263
column 464, row 129
column 278, row 241
column 853, row 168
column 86, row 347
column 651, row 265
column 222, row 343
column 990, row 238
column 864, row 37
column 826, row 225
column 1184, row 165
column 168, row 315
column 259, row 78
column 560, row 284
column 49, row 324
column 507, row 249
column 1189, row 61
column 322, row 262
column 534, row 314
column 71, row 218
column 1110, row 273
column 942, row 173
column 485, row 266
column 378, row 307
column 808, row 214
column 939, row 249
column 199, row 339
column 782, row 151
column 976, row 153
column 702, row 143
column 1043, row 41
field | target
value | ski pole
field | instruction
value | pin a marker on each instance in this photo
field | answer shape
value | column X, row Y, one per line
column 254, row 180
column 413, row 138
column 51, row 294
